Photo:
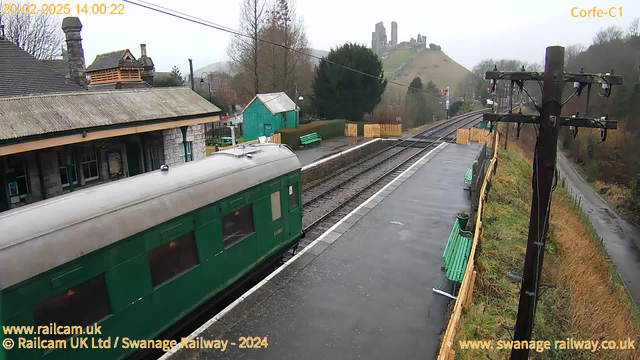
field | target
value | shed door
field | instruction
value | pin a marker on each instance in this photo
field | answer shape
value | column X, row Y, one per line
column 268, row 130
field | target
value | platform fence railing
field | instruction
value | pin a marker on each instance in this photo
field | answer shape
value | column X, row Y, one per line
column 465, row 293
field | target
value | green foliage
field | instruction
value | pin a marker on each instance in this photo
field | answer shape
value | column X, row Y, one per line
column 342, row 93
column 635, row 193
column 415, row 104
column 174, row 79
column 435, row 47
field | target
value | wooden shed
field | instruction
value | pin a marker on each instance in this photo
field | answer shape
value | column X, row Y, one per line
column 267, row 113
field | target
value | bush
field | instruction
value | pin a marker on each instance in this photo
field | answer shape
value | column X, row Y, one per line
column 635, row 193
column 326, row 129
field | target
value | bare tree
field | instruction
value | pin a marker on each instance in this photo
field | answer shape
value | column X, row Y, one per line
column 634, row 28
column 39, row 35
column 610, row 34
column 571, row 52
column 243, row 52
column 287, row 62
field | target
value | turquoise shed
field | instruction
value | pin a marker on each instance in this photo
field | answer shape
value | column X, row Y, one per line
column 267, row 113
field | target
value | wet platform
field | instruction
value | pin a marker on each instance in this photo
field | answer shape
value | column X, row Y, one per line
column 363, row 290
column 328, row 147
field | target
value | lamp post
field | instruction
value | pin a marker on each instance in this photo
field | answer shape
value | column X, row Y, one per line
column 300, row 98
column 208, row 82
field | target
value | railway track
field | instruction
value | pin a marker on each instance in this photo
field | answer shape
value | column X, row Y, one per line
column 329, row 200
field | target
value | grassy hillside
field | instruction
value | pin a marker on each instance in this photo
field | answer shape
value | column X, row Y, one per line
column 428, row 65
column 588, row 304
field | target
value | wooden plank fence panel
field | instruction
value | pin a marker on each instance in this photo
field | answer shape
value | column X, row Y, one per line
column 372, row 131
column 390, row 129
column 351, row 130
column 463, row 137
column 276, row 138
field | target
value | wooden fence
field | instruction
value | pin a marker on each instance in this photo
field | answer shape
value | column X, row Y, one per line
column 351, row 130
column 390, row 130
column 466, row 289
column 276, row 138
column 479, row 135
column 463, row 137
column 372, row 131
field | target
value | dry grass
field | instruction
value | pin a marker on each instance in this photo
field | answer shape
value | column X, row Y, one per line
column 600, row 307
column 588, row 304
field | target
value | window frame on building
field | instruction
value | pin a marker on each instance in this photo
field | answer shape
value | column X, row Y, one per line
column 158, row 159
column 276, row 207
column 92, row 159
column 61, row 158
column 19, row 162
column 189, row 148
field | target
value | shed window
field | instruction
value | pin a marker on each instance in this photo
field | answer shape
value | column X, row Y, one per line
column 82, row 305
column 293, row 195
column 173, row 258
column 237, row 226
column 276, row 211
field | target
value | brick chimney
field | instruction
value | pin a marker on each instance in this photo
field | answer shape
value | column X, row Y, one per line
column 72, row 27
column 149, row 70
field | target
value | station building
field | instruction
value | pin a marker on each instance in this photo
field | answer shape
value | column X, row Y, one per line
column 58, row 134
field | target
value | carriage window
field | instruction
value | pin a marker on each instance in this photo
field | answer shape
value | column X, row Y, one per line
column 237, row 226
column 173, row 258
column 293, row 195
column 82, row 305
column 276, row 211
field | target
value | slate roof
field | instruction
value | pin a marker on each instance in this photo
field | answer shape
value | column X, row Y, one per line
column 21, row 74
column 276, row 102
column 59, row 66
column 46, row 114
column 112, row 60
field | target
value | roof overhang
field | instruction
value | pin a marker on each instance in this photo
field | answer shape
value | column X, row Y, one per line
column 16, row 146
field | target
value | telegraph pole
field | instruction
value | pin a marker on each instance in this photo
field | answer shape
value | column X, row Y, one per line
column 544, row 163
column 544, row 166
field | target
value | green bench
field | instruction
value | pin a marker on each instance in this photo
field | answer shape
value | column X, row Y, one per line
column 455, row 257
column 468, row 177
column 308, row 139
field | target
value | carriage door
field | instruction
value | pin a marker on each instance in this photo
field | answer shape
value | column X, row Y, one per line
column 294, row 202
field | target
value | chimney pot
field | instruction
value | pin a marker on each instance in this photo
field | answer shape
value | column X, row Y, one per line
column 143, row 50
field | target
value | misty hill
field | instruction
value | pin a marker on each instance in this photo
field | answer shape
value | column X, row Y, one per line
column 223, row 66
column 405, row 64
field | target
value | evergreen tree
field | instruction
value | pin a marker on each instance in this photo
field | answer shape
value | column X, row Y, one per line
column 343, row 93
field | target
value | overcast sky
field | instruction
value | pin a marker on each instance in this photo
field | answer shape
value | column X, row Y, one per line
column 468, row 31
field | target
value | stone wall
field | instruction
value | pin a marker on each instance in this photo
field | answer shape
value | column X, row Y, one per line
column 313, row 173
column 174, row 149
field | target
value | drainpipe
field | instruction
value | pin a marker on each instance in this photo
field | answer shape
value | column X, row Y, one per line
column 43, row 188
column 69, row 167
column 184, row 141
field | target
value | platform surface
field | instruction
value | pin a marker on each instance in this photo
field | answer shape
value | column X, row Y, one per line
column 363, row 291
column 328, row 147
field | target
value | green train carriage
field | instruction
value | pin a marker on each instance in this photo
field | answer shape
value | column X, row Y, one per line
column 137, row 255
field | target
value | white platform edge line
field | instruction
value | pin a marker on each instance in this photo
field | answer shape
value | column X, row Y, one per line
column 338, row 154
column 230, row 307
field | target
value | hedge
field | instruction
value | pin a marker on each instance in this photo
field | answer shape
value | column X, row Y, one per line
column 326, row 129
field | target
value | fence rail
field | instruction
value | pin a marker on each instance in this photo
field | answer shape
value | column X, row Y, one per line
column 465, row 293
column 211, row 132
column 390, row 130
